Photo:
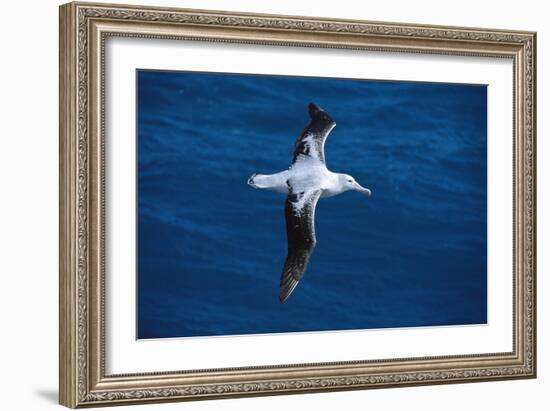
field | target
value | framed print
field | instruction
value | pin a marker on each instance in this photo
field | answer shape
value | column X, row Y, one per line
column 259, row 204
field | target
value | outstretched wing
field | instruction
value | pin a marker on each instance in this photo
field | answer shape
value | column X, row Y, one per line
column 300, row 232
column 312, row 140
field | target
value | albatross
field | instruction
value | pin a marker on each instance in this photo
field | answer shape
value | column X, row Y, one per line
column 304, row 182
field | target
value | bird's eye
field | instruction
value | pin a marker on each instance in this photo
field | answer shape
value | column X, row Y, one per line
column 350, row 181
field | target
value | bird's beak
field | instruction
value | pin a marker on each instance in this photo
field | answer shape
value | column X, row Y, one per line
column 358, row 187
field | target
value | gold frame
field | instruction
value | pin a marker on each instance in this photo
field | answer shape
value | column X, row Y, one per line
column 83, row 30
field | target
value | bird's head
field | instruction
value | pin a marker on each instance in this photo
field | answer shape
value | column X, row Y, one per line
column 347, row 182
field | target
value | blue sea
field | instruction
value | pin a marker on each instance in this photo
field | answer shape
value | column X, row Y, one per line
column 211, row 249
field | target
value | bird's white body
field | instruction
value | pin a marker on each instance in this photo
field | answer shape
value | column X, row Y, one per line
column 306, row 174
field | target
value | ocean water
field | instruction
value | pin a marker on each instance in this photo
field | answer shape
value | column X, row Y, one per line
column 211, row 248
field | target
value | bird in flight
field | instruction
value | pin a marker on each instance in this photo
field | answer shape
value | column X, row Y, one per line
column 306, row 180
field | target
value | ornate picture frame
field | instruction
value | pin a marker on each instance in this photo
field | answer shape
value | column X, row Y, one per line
column 84, row 29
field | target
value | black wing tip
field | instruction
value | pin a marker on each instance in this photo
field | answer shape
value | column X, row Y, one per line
column 313, row 106
column 317, row 113
column 313, row 109
column 288, row 284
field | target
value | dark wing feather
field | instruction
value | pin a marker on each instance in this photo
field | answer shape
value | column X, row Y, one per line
column 311, row 141
column 300, row 231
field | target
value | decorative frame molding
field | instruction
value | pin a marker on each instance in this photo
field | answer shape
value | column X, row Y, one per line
column 83, row 30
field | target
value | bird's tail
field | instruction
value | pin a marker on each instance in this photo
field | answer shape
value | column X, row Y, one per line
column 260, row 180
column 251, row 182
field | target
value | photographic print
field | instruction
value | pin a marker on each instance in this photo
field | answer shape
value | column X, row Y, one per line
column 257, row 204
column 278, row 204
